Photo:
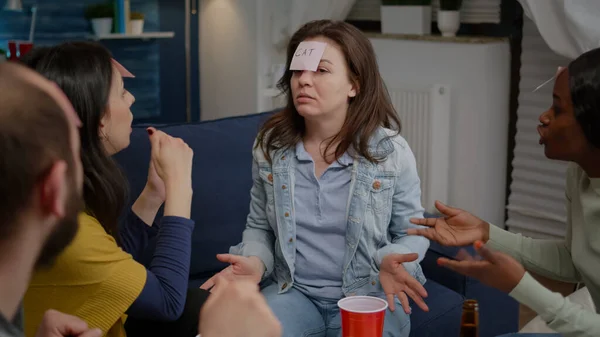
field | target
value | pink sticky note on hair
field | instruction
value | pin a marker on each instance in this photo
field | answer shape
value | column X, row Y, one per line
column 308, row 55
column 122, row 70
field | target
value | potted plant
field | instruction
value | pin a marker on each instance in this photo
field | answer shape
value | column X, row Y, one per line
column 101, row 16
column 448, row 18
column 406, row 17
column 137, row 23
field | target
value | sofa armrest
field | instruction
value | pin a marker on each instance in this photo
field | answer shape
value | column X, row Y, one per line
column 445, row 276
column 497, row 310
column 499, row 313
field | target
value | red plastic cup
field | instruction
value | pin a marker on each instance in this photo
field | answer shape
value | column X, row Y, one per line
column 24, row 48
column 12, row 48
column 362, row 316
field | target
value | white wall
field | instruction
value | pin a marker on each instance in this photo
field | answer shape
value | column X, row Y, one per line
column 478, row 75
column 236, row 54
column 228, row 58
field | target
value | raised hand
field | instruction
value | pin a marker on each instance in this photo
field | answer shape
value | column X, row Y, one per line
column 153, row 195
column 172, row 159
column 496, row 270
column 456, row 228
column 396, row 281
column 240, row 268
column 240, row 299
column 155, row 185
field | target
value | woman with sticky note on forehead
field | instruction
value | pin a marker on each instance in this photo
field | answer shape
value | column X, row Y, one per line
column 334, row 188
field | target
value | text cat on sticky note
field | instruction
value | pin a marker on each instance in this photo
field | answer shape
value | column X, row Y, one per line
column 308, row 55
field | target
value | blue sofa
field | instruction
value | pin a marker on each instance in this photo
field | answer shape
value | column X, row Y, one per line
column 221, row 184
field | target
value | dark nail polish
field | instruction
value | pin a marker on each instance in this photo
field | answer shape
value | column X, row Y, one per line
column 150, row 131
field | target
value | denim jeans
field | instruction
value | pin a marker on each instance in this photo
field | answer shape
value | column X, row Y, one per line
column 302, row 316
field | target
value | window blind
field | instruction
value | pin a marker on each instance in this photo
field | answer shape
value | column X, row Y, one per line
column 536, row 205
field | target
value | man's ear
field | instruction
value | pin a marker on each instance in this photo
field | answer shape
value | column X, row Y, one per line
column 54, row 190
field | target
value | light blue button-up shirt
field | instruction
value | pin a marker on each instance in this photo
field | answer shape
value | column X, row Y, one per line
column 383, row 197
column 321, row 221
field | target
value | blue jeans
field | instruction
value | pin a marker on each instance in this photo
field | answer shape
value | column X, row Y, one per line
column 302, row 316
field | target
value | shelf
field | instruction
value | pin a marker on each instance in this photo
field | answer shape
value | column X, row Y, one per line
column 143, row 36
column 439, row 38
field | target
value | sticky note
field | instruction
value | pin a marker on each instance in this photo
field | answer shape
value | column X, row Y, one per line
column 560, row 70
column 122, row 70
column 308, row 55
column 543, row 84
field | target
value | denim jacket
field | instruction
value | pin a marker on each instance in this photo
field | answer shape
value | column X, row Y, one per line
column 383, row 197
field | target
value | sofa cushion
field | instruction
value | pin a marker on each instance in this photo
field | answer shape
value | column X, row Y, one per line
column 221, row 183
column 221, row 180
column 445, row 276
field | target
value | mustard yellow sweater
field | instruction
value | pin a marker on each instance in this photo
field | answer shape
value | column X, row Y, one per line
column 93, row 279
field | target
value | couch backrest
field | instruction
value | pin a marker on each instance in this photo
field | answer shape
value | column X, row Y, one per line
column 221, row 180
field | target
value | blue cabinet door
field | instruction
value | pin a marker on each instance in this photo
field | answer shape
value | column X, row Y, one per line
column 179, row 63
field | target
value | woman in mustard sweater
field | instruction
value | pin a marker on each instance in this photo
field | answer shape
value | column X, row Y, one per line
column 97, row 277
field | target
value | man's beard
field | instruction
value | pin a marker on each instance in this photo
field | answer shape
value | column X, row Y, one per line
column 64, row 232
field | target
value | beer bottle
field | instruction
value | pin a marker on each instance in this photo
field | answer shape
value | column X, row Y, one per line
column 469, row 322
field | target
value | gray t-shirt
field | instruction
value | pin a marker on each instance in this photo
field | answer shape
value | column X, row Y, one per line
column 14, row 328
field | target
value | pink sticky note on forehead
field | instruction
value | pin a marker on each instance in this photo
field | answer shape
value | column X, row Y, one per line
column 308, row 55
column 122, row 70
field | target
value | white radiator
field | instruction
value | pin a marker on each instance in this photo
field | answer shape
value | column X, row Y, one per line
column 425, row 118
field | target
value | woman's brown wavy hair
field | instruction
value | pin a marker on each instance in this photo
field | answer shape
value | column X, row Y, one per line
column 369, row 110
